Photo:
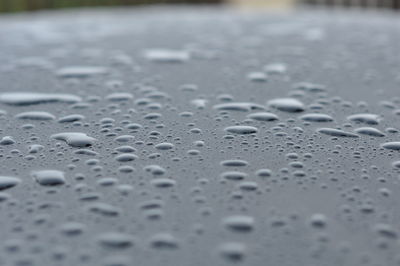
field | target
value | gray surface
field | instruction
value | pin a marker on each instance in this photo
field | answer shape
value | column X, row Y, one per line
column 337, row 203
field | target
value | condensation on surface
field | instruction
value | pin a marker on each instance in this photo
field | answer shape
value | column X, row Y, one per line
column 199, row 137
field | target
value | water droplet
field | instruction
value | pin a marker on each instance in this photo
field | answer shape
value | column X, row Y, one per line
column 167, row 56
column 71, row 118
column 232, row 251
column 49, row 177
column 164, row 146
column 370, row 131
column 315, row 117
column 318, row 220
column 119, row 96
column 242, row 106
column 126, row 157
column 287, row 105
column 103, row 209
column 163, row 182
column 81, row 71
column 239, row 223
column 28, row 98
column 75, row 139
column 395, row 145
column 234, row 175
column 371, row 119
column 234, row 163
column 263, row 116
column 7, row 182
column 241, row 130
column 164, row 241
column 386, row 231
column 257, row 76
column 35, row 115
column 7, row 140
column 336, row 133
column 115, row 240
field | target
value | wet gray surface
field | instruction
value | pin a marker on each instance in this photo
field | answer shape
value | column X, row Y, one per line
column 199, row 137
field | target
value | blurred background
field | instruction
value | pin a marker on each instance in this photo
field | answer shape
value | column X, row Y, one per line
column 7, row 6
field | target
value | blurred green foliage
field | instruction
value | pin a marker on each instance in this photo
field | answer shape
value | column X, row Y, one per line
column 31, row 5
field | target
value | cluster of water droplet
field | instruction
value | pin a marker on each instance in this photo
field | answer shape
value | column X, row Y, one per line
column 212, row 152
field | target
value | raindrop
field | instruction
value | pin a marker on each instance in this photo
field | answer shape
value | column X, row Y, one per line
column 81, row 71
column 35, row 115
column 7, row 182
column 241, row 130
column 75, row 139
column 28, row 98
column 336, row 133
column 49, row 177
column 287, row 105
